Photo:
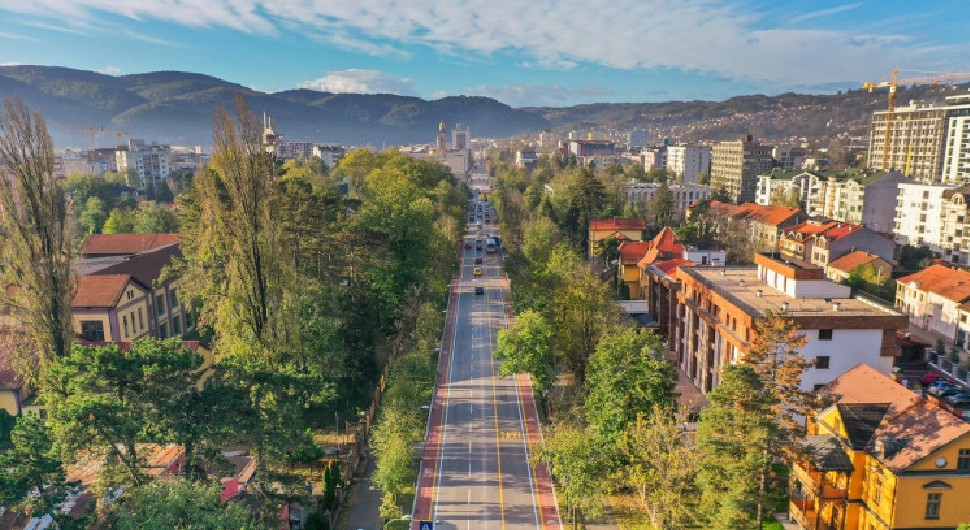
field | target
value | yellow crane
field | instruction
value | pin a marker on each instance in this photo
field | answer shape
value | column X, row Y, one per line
column 94, row 131
column 935, row 79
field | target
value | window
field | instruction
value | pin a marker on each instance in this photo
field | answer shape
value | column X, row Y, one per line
column 176, row 327
column 141, row 319
column 933, row 505
column 124, row 324
column 130, row 294
column 818, row 386
column 822, row 362
column 876, row 490
column 160, row 304
column 172, row 299
column 825, row 334
column 92, row 330
column 162, row 331
column 963, row 460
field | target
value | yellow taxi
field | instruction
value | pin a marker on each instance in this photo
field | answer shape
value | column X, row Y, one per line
column 477, row 271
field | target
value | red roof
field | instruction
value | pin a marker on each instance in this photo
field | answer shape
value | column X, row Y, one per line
column 810, row 229
column 101, row 290
column 953, row 284
column 853, row 259
column 664, row 246
column 769, row 214
column 617, row 223
column 671, row 265
column 124, row 244
column 632, row 251
column 10, row 380
column 841, row 230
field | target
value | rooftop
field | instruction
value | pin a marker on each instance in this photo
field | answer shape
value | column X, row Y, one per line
column 749, row 211
column 122, row 244
column 852, row 260
column 100, row 290
column 617, row 223
column 953, row 284
column 744, row 288
column 863, row 384
column 632, row 251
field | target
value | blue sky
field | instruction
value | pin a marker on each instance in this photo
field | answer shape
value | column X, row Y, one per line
column 522, row 52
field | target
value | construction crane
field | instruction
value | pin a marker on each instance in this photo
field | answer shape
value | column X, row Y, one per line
column 94, row 131
column 937, row 78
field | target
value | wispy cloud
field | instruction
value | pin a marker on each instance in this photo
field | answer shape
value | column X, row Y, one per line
column 727, row 38
column 150, row 39
column 824, row 13
column 16, row 36
column 526, row 94
column 358, row 81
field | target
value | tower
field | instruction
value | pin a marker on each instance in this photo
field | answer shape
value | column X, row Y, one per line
column 440, row 148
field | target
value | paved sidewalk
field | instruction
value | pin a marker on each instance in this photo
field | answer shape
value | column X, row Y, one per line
column 365, row 504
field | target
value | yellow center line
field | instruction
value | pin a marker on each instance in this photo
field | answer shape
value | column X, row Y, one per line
column 491, row 364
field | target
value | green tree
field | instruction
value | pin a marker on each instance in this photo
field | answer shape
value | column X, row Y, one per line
column 120, row 221
column 704, row 178
column 394, row 456
column 94, row 216
column 732, row 436
column 182, row 505
column 35, row 263
column 582, row 309
column 660, row 464
column 154, row 218
column 526, row 347
column 786, row 197
column 660, row 208
column 33, row 477
column 164, row 192
column 577, row 465
column 627, row 377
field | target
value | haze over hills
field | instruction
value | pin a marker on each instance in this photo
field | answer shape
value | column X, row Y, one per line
column 177, row 107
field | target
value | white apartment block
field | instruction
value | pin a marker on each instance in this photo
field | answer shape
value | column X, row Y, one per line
column 735, row 167
column 330, row 154
column 789, row 156
column 639, row 194
column 933, row 298
column 919, row 215
column 956, row 150
column 688, row 161
column 150, row 162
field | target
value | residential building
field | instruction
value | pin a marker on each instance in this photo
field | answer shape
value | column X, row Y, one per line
column 639, row 194
column 187, row 158
column 789, row 156
column 718, row 311
column 955, row 230
column 629, row 255
column 919, row 215
column 106, row 245
column 821, row 241
column 586, row 148
column 932, row 298
column 924, row 136
column 879, row 457
column 151, row 162
column 461, row 137
column 654, row 157
column 878, row 191
column 621, row 229
column 294, row 149
column 764, row 223
column 735, row 167
column 634, row 256
column 637, row 139
column 705, row 257
column 331, row 155
column 687, row 162
column 526, row 159
column 13, row 392
column 840, row 268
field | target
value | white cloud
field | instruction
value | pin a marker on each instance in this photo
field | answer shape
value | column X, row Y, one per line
column 721, row 37
column 824, row 13
column 11, row 63
column 529, row 95
column 110, row 70
column 357, row 81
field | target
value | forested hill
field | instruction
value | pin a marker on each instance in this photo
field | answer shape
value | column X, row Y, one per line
column 177, row 107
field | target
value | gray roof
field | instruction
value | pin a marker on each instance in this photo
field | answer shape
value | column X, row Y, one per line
column 827, row 453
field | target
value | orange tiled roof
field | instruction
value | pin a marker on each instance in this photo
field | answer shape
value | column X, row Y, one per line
column 810, row 229
column 122, row 244
column 632, row 251
column 102, row 290
column 617, row 223
column 669, row 266
column 852, row 260
column 920, row 431
column 864, row 384
column 667, row 241
column 769, row 214
column 953, row 284
column 841, row 230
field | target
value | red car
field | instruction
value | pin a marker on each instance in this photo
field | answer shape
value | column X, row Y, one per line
column 930, row 378
column 468, row 246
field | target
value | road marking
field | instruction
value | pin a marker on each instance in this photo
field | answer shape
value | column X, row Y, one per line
column 436, row 486
column 498, row 442
column 540, row 519
column 469, row 493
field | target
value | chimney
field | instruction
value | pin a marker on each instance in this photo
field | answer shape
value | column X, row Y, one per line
column 758, row 293
column 741, row 283
column 836, row 306
column 784, row 307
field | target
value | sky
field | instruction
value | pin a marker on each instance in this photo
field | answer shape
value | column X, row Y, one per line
column 521, row 52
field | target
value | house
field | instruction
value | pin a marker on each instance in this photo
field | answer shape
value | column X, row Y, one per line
column 104, row 245
column 932, row 298
column 618, row 228
column 13, row 392
column 764, row 222
column 630, row 254
column 822, row 241
column 840, row 269
column 879, row 457
column 719, row 308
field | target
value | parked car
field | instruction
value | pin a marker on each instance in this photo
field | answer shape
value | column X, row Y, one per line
column 478, row 260
column 959, row 396
column 944, row 389
column 960, row 403
column 929, row 378
column 479, row 290
column 468, row 246
column 939, row 381
column 477, row 271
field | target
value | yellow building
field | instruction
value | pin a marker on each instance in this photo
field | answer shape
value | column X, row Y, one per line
column 620, row 229
column 880, row 457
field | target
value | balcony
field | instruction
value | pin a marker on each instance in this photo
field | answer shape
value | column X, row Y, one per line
column 802, row 511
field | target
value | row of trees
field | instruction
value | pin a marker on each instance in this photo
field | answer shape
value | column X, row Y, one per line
column 617, row 427
column 301, row 294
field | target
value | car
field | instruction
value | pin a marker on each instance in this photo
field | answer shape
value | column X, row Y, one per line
column 961, row 403
column 478, row 261
column 479, row 290
column 959, row 396
column 477, row 271
column 468, row 246
column 929, row 378
column 944, row 388
column 940, row 381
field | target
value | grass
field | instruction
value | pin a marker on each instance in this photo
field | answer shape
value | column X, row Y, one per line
column 771, row 525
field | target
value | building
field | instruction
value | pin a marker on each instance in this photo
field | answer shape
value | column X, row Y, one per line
column 586, row 148
column 461, row 137
column 106, row 245
column 820, row 242
column 152, row 163
column 839, row 269
column 13, row 392
column 789, row 156
column 634, row 256
column 526, row 159
column 621, row 229
column 639, row 194
column 955, row 229
column 932, row 298
column 718, row 310
column 687, row 162
column 735, row 167
column 294, row 149
column 653, row 158
column 764, row 223
column 923, row 137
column 879, row 457
column 878, row 191
column 331, row 155
column 637, row 139
column 919, row 215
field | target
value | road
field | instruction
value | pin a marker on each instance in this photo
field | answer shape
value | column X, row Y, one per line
column 476, row 473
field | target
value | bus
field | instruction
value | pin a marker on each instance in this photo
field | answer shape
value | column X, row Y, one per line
column 491, row 245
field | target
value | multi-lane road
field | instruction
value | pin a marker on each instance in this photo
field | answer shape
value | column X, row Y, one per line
column 476, row 473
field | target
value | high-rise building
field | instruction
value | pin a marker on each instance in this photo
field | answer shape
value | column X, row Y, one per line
column 735, row 167
column 687, row 162
column 923, row 137
column 461, row 137
column 637, row 139
column 440, row 146
column 151, row 162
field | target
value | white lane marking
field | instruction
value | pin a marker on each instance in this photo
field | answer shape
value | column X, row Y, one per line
column 469, row 446
column 469, row 468
column 525, row 449
column 451, row 366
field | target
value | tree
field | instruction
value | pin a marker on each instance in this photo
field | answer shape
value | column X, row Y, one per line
column 94, row 215
column 576, row 463
column 704, row 178
column 120, row 221
column 661, row 465
column 786, row 197
column 731, row 439
column 36, row 260
column 526, row 347
column 182, row 505
column 660, row 208
column 153, row 218
column 33, row 477
column 393, row 451
column 627, row 377
column 164, row 192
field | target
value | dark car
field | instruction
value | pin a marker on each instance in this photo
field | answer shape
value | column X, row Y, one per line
column 945, row 389
column 479, row 290
column 960, row 403
column 958, row 397
column 929, row 378
column 478, row 261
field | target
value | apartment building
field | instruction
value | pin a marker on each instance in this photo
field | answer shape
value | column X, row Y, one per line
column 637, row 139
column 928, row 141
column 764, row 223
column 151, row 162
column 880, row 457
column 789, row 156
column 955, row 229
column 718, row 309
column 526, row 159
column 331, row 155
column 821, row 242
column 687, row 162
column 639, row 194
column 932, row 298
column 919, row 215
column 735, row 167
column 840, row 268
